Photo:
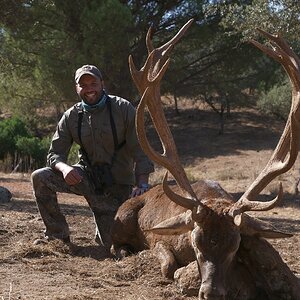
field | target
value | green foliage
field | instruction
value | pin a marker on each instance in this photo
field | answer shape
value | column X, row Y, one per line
column 40, row 53
column 106, row 27
column 10, row 130
column 273, row 16
column 34, row 148
column 211, row 63
column 73, row 154
column 19, row 146
column 276, row 101
column 240, row 19
column 43, row 42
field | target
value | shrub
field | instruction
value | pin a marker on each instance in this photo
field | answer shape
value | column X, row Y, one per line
column 19, row 149
column 276, row 101
column 10, row 130
column 32, row 151
column 73, row 154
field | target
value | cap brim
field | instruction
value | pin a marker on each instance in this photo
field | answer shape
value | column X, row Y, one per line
column 77, row 79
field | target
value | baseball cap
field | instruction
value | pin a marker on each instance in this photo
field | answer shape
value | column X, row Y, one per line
column 87, row 69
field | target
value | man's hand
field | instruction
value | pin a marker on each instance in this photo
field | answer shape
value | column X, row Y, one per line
column 70, row 174
column 142, row 185
column 140, row 190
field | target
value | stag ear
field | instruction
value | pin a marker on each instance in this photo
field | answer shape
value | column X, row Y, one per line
column 252, row 226
column 176, row 225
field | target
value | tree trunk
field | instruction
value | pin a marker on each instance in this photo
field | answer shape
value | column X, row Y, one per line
column 176, row 104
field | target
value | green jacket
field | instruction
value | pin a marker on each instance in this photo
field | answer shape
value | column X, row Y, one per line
column 98, row 142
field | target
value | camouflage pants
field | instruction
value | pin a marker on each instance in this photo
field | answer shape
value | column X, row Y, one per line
column 46, row 183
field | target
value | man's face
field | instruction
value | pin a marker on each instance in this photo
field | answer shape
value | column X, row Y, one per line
column 89, row 89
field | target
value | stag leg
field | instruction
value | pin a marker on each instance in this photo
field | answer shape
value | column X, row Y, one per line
column 166, row 258
column 120, row 252
column 126, row 235
column 104, row 208
column 103, row 229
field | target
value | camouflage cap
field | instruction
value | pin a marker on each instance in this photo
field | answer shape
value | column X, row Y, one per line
column 87, row 69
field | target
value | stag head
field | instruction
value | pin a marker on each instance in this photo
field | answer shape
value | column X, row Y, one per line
column 216, row 224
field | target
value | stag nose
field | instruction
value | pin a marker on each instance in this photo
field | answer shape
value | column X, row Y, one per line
column 203, row 296
column 211, row 293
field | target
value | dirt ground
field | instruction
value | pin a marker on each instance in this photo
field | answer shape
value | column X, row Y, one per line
column 79, row 270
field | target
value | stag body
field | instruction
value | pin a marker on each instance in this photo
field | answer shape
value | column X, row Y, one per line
column 225, row 267
column 201, row 221
column 137, row 215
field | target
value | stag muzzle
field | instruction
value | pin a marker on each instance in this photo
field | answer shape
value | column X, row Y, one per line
column 212, row 285
column 210, row 292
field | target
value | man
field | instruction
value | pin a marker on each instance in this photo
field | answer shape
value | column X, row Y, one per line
column 111, row 161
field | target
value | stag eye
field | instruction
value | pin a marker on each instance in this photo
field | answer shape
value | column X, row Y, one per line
column 213, row 243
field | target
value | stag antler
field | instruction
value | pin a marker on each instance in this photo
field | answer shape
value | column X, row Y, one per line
column 156, row 59
column 286, row 151
column 148, row 81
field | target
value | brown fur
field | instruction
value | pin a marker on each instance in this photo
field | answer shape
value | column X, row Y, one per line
column 138, row 215
column 214, row 242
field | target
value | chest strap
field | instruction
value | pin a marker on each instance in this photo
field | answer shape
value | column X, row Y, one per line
column 113, row 127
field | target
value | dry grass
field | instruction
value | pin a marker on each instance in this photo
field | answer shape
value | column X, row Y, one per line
column 80, row 271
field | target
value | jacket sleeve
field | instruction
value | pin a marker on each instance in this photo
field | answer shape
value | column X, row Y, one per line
column 61, row 143
column 142, row 164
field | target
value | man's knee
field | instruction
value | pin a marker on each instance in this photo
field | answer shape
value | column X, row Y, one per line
column 36, row 175
column 39, row 180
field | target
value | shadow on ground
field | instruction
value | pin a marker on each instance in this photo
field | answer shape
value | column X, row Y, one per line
column 196, row 133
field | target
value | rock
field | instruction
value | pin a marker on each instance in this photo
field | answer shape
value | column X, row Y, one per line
column 5, row 195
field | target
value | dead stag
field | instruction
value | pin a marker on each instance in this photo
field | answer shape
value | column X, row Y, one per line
column 201, row 221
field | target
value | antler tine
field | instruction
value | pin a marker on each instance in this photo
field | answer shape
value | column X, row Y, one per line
column 188, row 203
column 173, row 41
column 278, row 41
column 150, row 77
column 143, row 77
column 282, row 53
column 147, row 81
column 149, row 41
column 286, row 151
column 138, row 76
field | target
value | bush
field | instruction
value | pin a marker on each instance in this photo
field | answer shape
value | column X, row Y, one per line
column 73, row 154
column 19, row 149
column 10, row 130
column 277, row 101
column 32, row 151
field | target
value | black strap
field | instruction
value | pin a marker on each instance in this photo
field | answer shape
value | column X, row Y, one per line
column 82, row 150
column 117, row 146
column 113, row 127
